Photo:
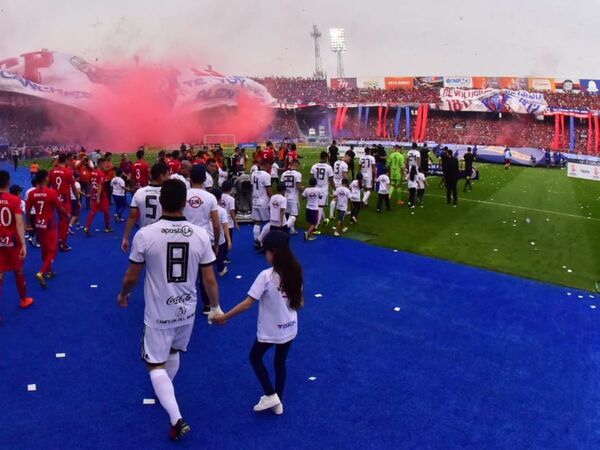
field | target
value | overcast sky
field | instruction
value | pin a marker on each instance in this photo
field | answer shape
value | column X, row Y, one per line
column 262, row 37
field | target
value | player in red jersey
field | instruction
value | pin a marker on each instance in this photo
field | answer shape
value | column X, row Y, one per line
column 140, row 171
column 12, row 239
column 99, row 195
column 174, row 163
column 62, row 180
column 267, row 153
column 44, row 201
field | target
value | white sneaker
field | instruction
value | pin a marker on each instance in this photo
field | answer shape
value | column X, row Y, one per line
column 345, row 229
column 336, row 234
column 267, row 402
column 223, row 272
column 277, row 410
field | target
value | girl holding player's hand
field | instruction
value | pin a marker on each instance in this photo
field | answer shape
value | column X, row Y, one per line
column 279, row 293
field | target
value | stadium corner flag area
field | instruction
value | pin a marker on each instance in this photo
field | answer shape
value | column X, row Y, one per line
column 313, row 256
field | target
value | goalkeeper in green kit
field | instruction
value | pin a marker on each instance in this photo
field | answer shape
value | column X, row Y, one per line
column 396, row 165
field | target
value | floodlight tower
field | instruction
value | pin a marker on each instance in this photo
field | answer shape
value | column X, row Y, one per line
column 338, row 46
column 316, row 35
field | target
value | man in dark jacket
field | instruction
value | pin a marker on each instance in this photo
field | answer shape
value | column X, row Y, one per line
column 451, row 173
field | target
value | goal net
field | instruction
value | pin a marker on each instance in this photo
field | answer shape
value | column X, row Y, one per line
column 225, row 140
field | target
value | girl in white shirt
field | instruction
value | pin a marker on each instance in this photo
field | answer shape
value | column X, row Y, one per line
column 355, row 192
column 421, row 185
column 383, row 190
column 413, row 184
column 279, row 293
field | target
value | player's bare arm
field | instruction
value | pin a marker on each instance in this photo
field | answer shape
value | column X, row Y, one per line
column 129, row 281
column 131, row 220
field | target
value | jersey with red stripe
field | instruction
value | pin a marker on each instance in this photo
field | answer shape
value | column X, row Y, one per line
column 44, row 201
column 140, row 170
column 10, row 207
column 96, row 182
column 61, row 179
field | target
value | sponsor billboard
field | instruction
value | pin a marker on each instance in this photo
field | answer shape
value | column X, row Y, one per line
column 514, row 83
column 394, row 83
column 458, row 82
column 585, row 171
column 343, row 83
column 542, row 84
column 370, row 82
column 429, row 81
column 567, row 85
column 589, row 86
column 486, row 82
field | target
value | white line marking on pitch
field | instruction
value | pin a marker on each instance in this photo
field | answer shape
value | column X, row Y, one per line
column 520, row 207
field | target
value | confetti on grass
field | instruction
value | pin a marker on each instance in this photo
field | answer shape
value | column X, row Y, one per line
column 318, row 295
column 31, row 387
column 238, row 277
column 149, row 401
column 397, row 308
column 312, row 378
column 593, row 306
column 61, row 355
column 93, row 286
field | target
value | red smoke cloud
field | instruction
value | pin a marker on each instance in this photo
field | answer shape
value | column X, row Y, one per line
column 139, row 107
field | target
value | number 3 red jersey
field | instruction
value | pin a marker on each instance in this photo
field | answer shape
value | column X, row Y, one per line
column 10, row 207
column 140, row 170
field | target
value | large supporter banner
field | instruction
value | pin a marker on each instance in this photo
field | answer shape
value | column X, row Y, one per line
column 584, row 171
column 343, row 83
column 589, row 86
column 492, row 100
column 542, row 84
column 72, row 81
column 458, row 82
column 395, row 83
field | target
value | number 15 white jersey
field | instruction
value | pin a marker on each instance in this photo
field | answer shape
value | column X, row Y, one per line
column 146, row 201
column 172, row 249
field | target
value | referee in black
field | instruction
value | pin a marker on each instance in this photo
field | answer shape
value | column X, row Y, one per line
column 469, row 157
column 451, row 173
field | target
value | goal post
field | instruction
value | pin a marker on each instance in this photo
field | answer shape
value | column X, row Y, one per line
column 223, row 139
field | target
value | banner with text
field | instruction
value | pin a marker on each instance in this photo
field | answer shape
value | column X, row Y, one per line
column 492, row 100
column 343, row 83
column 458, row 82
column 585, row 171
column 395, row 83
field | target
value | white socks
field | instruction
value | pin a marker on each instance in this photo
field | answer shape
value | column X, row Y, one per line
column 172, row 365
column 321, row 214
column 256, row 231
column 366, row 197
column 263, row 233
column 290, row 223
column 164, row 390
column 331, row 209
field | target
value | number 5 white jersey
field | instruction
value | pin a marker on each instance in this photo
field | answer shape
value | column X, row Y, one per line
column 146, row 201
column 172, row 249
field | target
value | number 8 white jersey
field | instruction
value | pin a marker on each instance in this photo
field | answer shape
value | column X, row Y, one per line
column 172, row 249
column 146, row 200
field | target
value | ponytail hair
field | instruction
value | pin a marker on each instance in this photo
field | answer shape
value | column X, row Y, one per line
column 413, row 173
column 289, row 270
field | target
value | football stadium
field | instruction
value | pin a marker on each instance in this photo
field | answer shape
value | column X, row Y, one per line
column 417, row 256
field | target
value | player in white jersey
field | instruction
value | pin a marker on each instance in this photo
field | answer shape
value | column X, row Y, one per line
column 323, row 173
column 368, row 170
column 173, row 252
column 261, row 192
column 145, row 205
column 228, row 202
column 413, row 157
column 340, row 171
column 292, row 179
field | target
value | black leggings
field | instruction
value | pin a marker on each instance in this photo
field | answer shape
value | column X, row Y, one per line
column 355, row 209
column 383, row 199
column 412, row 192
column 256, row 359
